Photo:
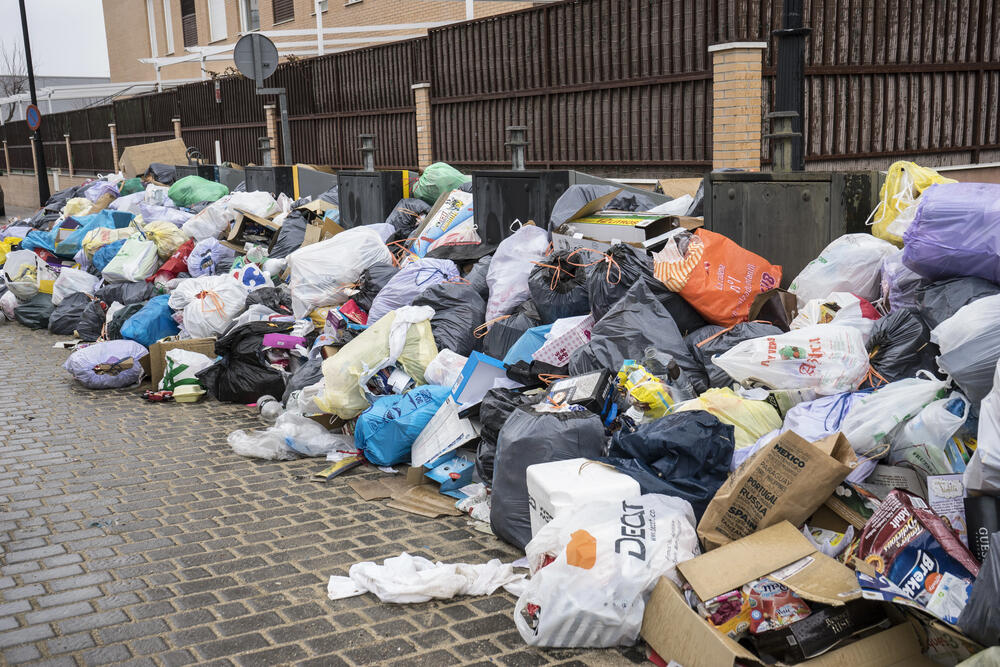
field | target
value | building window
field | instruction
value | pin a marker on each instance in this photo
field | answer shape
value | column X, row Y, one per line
column 189, row 23
column 251, row 15
column 168, row 25
column 216, row 20
column 323, row 5
column 284, row 10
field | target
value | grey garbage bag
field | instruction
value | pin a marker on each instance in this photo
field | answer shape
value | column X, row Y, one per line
column 67, row 314
column 372, row 280
column 636, row 322
column 938, row 301
column 502, row 334
column 980, row 619
column 577, row 196
column 458, row 310
column 126, row 293
column 527, row 438
column 404, row 217
column 900, row 345
column 91, row 322
column 477, row 276
column 290, row 236
column 686, row 454
column 494, row 410
column 710, row 340
column 306, row 375
column 35, row 314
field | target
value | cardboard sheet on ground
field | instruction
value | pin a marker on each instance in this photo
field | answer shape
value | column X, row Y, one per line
column 411, row 492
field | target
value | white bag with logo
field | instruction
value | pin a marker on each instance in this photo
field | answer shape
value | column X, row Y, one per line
column 608, row 557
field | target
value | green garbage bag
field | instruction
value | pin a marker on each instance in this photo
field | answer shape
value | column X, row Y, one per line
column 193, row 189
column 130, row 186
column 437, row 178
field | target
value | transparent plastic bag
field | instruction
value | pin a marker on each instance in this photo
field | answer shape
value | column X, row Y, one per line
column 445, row 368
column 851, row 263
column 291, row 436
column 920, row 443
column 512, row 263
column 71, row 281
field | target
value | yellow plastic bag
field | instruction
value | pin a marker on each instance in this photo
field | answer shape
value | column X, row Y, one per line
column 318, row 316
column 649, row 392
column 97, row 238
column 166, row 235
column 402, row 337
column 903, row 185
column 6, row 246
column 750, row 419
column 77, row 206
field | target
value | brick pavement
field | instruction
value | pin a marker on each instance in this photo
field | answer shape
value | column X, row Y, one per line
column 131, row 534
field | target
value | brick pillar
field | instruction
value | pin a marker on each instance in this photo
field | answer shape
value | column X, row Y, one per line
column 736, row 104
column 271, row 123
column 34, row 156
column 422, row 102
column 6, row 156
column 177, row 128
column 113, row 131
column 69, row 154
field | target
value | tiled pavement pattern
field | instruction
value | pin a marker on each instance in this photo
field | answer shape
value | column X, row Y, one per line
column 131, row 534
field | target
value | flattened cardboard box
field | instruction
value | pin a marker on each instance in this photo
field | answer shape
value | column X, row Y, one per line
column 788, row 479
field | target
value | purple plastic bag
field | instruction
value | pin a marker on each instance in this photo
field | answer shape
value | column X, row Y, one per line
column 956, row 232
column 81, row 364
column 205, row 258
column 99, row 188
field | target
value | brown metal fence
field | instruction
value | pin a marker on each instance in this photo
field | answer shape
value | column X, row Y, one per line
column 599, row 83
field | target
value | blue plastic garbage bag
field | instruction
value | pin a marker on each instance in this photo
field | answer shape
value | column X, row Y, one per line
column 105, row 254
column 107, row 218
column 530, row 342
column 386, row 430
column 151, row 323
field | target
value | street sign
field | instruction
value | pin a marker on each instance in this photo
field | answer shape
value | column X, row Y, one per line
column 34, row 117
column 256, row 57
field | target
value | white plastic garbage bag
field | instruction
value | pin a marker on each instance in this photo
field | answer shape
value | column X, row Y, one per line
column 71, row 281
column 22, row 271
column 181, row 368
column 135, row 261
column 851, row 263
column 873, row 416
column 322, row 274
column 445, row 368
column 841, row 308
column 258, row 203
column 407, row 579
column 291, row 436
column 920, row 443
column 512, row 263
column 8, row 302
column 209, row 303
column 826, row 358
column 608, row 557
column 970, row 346
column 983, row 470
column 209, row 222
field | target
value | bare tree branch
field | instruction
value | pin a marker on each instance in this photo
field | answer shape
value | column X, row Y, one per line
column 14, row 79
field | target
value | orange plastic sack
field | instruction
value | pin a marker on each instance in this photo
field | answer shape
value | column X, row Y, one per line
column 723, row 279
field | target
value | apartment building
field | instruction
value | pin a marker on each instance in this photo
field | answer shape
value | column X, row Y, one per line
column 175, row 40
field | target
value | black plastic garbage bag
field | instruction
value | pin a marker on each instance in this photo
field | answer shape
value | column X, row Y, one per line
column 58, row 200
column 372, row 280
column 900, row 345
column 243, row 374
column 126, row 293
column 502, row 334
column 577, row 196
column 290, row 236
column 159, row 172
column 458, row 310
column 405, row 215
column 494, row 410
column 306, row 375
column 711, row 340
column 91, row 322
column 938, row 301
column 611, row 278
column 67, row 314
column 637, row 322
column 477, row 276
column 114, row 329
column 275, row 298
column 535, row 373
column 980, row 619
column 35, row 314
column 559, row 288
column 527, row 438
column 686, row 454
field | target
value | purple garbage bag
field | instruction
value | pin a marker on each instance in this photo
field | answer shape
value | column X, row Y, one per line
column 108, row 365
column 99, row 188
column 956, row 232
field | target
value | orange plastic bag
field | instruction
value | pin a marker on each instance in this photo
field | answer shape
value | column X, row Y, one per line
column 716, row 276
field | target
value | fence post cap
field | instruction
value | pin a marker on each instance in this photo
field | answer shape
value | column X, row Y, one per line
column 418, row 86
column 175, row 119
column 728, row 46
column 66, row 135
column 112, row 124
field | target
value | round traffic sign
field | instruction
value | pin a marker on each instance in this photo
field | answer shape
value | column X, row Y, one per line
column 34, row 117
column 255, row 56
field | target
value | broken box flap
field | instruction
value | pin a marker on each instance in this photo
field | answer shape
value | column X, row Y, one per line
column 816, row 577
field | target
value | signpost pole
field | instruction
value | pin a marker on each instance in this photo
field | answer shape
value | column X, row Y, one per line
column 256, row 58
column 41, row 173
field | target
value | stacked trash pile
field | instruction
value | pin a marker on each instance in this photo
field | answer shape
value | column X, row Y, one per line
column 686, row 452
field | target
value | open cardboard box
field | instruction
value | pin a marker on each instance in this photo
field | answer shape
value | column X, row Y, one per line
column 155, row 362
column 676, row 632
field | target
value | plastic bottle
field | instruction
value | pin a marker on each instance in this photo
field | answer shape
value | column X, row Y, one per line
column 270, row 408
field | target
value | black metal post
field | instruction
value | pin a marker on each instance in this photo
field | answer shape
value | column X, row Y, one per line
column 43, row 173
column 789, row 89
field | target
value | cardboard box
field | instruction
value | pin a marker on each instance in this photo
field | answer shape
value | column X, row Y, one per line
column 135, row 160
column 155, row 361
column 786, row 480
column 678, row 187
column 321, row 232
column 782, row 553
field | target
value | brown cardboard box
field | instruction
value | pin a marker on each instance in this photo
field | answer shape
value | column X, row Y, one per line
column 788, row 479
column 136, row 159
column 678, row 187
column 781, row 552
column 154, row 362
column 317, row 233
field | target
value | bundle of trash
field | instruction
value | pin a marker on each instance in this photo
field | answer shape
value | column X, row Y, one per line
column 688, row 454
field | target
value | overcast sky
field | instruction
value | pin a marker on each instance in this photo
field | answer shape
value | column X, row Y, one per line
column 67, row 36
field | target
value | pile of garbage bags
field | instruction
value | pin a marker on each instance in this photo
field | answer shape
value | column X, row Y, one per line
column 637, row 420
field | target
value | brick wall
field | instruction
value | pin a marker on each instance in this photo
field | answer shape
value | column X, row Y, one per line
column 736, row 104
column 21, row 190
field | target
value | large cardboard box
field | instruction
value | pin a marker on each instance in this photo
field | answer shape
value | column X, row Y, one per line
column 155, row 361
column 136, row 159
column 783, row 554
